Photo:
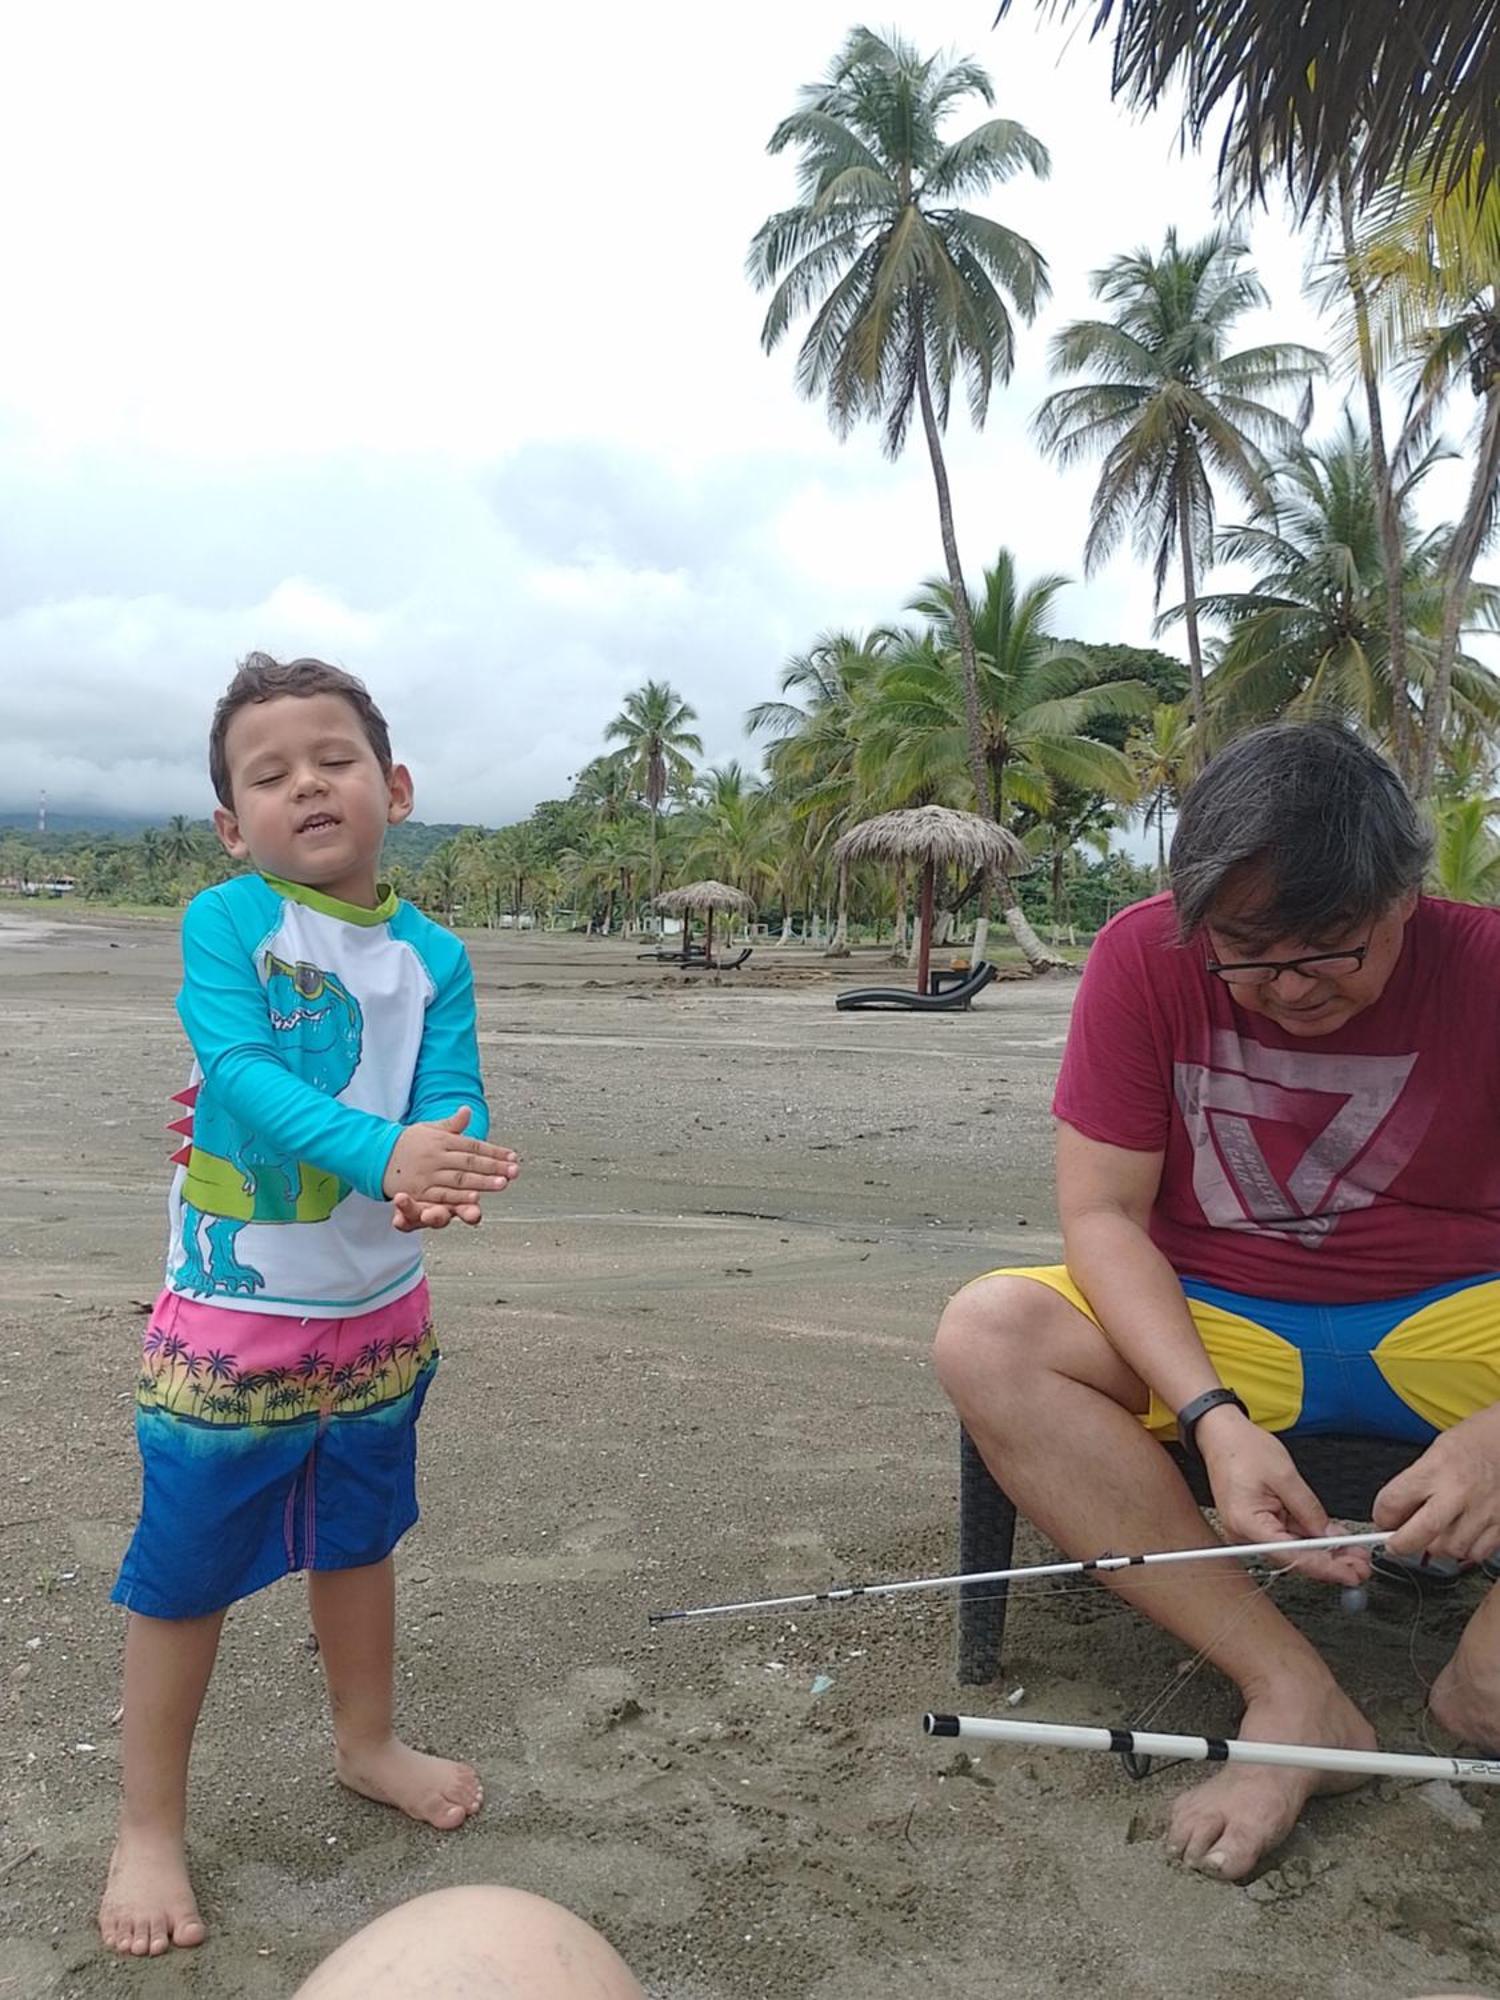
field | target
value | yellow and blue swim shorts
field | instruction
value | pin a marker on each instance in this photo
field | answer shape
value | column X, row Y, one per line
column 1396, row 1368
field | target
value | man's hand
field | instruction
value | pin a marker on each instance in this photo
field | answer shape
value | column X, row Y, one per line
column 1448, row 1503
column 1261, row 1496
column 437, row 1163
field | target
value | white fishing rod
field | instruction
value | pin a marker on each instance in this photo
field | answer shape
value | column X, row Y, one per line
column 1217, row 1749
column 1093, row 1566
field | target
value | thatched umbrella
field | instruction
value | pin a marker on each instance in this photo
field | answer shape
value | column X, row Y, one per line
column 707, row 896
column 930, row 834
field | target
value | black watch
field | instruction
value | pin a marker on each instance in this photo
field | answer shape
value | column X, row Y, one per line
column 1189, row 1417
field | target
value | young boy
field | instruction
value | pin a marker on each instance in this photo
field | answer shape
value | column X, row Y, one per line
column 336, row 1107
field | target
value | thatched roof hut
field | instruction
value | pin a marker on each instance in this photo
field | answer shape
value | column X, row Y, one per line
column 709, row 896
column 931, row 835
column 704, row 896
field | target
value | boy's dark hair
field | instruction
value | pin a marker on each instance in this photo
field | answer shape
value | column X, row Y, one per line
column 1324, row 821
column 261, row 678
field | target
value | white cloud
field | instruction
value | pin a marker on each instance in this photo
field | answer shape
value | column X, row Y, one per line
column 422, row 339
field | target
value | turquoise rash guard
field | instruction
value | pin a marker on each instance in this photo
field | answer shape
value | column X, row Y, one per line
column 319, row 1031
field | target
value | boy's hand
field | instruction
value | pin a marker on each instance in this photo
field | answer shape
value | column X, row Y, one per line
column 439, row 1166
column 411, row 1214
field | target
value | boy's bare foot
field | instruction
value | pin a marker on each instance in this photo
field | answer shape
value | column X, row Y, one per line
column 434, row 1789
column 1467, row 1703
column 148, row 1902
column 1227, row 1826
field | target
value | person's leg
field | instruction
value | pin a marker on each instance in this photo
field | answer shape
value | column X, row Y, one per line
column 1442, row 1359
column 148, row 1900
column 1465, row 1697
column 483, row 1943
column 1056, row 1415
column 354, row 1617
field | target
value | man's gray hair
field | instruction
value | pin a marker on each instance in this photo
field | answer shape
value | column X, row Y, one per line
column 1323, row 823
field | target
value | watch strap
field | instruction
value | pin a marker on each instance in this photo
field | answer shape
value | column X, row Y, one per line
column 1189, row 1416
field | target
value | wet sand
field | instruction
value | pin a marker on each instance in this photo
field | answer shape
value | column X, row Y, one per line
column 686, row 1359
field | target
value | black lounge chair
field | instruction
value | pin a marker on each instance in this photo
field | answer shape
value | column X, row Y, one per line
column 667, row 955
column 952, row 993
column 701, row 964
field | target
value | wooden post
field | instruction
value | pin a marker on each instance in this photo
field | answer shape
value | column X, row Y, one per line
column 924, row 946
column 708, row 942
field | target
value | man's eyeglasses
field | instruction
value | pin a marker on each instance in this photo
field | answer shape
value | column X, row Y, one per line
column 1323, row 965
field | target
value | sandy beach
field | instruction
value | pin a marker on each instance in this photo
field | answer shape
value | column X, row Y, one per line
column 686, row 1359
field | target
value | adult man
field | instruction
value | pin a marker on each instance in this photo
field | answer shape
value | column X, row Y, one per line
column 1279, row 1186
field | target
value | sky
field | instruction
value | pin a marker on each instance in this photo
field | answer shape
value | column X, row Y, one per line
column 420, row 339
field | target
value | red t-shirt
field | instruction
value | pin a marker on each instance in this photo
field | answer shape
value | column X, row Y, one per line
column 1361, row 1164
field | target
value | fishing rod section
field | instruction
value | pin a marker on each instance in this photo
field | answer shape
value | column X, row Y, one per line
column 1216, row 1749
column 1094, row 1565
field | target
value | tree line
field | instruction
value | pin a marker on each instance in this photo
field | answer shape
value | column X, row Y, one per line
column 970, row 695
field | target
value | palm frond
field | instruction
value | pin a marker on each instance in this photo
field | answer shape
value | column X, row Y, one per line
column 1310, row 90
column 983, row 158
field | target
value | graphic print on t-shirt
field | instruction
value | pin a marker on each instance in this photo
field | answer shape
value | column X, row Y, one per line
column 1285, row 1141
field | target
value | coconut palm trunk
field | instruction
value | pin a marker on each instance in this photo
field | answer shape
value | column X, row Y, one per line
column 1020, row 927
column 898, row 935
column 962, row 620
column 1190, row 609
column 1033, row 950
column 1468, row 540
column 982, row 922
column 1391, row 554
column 838, row 946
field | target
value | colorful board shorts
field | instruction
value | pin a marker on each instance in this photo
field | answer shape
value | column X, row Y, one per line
column 1400, row 1368
column 271, row 1444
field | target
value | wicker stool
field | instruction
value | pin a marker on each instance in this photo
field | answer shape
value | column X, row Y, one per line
column 1345, row 1472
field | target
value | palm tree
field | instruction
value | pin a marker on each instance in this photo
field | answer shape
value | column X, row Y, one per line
column 1434, row 261
column 607, row 865
column 811, row 761
column 1312, row 635
column 1074, row 820
column 1343, row 281
column 654, row 737
column 152, row 852
column 793, row 868
column 909, row 289
column 474, row 873
column 1160, row 758
column 1170, row 409
column 814, row 738
column 518, row 856
column 1308, row 85
column 442, row 878
column 180, row 843
column 604, row 786
column 1466, row 851
column 1037, row 697
column 729, row 836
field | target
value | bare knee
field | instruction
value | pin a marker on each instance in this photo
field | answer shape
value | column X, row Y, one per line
column 993, row 1336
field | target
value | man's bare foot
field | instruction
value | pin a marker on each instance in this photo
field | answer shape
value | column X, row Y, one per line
column 434, row 1789
column 1228, row 1825
column 148, row 1901
column 1467, row 1703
